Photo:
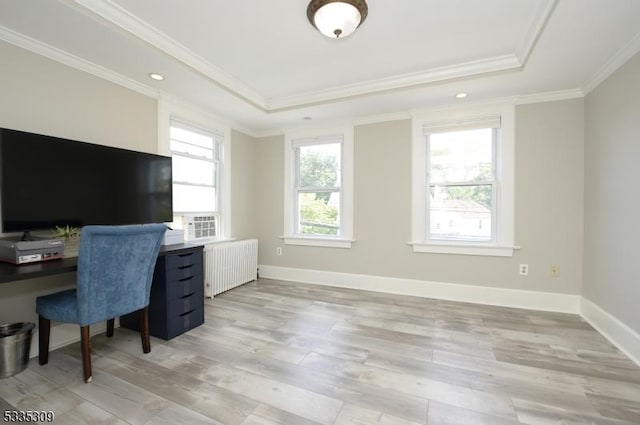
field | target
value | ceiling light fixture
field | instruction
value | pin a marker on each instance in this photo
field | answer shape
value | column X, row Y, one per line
column 337, row 18
column 461, row 95
column 156, row 77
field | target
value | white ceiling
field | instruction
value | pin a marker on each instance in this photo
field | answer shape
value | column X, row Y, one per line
column 262, row 67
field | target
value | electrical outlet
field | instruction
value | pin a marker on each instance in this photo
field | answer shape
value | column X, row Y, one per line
column 555, row 271
column 524, row 269
column 279, row 251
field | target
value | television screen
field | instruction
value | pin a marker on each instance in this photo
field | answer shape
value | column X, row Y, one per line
column 48, row 181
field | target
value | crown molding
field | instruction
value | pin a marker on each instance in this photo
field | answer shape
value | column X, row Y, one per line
column 374, row 119
column 364, row 120
column 122, row 19
column 537, row 25
column 65, row 58
column 550, row 96
column 511, row 62
column 496, row 102
column 616, row 61
column 311, row 129
column 75, row 62
column 434, row 75
column 269, row 133
column 174, row 102
column 117, row 16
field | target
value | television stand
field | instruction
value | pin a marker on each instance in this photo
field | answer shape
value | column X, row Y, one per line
column 27, row 236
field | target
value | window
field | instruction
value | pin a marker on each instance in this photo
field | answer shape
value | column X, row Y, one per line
column 318, row 195
column 196, row 177
column 318, row 189
column 463, row 182
column 461, row 185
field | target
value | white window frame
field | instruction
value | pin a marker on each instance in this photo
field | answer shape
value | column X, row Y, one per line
column 217, row 165
column 292, row 141
column 504, row 163
column 171, row 110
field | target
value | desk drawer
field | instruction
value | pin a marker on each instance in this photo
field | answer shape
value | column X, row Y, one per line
column 185, row 303
column 185, row 260
column 177, row 288
column 177, row 294
column 184, row 272
column 181, row 323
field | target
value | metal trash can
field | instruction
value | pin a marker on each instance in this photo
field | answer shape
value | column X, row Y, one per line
column 15, row 344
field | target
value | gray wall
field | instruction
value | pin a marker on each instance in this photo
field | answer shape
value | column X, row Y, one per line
column 43, row 96
column 612, row 204
column 549, row 199
column 552, row 169
column 242, row 185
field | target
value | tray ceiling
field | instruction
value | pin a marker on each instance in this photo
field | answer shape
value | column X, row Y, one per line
column 262, row 66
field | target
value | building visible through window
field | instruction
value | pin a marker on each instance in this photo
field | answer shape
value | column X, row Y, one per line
column 463, row 165
column 461, row 183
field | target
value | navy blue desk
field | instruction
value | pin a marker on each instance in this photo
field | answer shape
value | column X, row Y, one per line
column 12, row 272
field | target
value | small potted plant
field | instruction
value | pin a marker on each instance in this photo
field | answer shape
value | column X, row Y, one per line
column 66, row 232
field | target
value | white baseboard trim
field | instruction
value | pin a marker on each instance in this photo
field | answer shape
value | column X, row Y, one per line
column 64, row 334
column 532, row 300
column 618, row 333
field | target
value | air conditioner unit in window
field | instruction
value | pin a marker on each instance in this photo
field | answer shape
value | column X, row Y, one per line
column 199, row 226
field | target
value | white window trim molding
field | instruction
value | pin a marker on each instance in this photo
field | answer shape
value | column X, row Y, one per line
column 346, row 237
column 450, row 118
column 317, row 241
column 464, row 249
column 188, row 114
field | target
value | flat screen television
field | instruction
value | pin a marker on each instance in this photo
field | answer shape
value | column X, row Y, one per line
column 49, row 181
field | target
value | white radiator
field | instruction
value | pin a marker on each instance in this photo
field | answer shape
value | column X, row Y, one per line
column 229, row 264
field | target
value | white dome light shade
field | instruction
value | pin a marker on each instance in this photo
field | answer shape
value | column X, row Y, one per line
column 336, row 19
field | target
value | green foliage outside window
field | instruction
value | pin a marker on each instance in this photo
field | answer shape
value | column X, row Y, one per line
column 317, row 215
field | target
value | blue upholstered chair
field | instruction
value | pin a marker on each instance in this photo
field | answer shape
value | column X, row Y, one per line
column 115, row 270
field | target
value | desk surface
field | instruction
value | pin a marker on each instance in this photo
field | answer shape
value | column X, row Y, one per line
column 12, row 272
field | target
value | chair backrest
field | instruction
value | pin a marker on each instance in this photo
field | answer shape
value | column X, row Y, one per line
column 115, row 269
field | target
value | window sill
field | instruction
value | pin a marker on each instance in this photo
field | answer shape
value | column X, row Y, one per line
column 316, row 241
column 464, row 249
column 210, row 241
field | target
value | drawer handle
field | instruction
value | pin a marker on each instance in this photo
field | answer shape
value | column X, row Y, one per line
column 186, row 279
column 188, row 295
column 185, row 255
column 188, row 312
column 185, row 267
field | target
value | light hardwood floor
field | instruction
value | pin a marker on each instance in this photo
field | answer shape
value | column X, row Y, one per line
column 274, row 352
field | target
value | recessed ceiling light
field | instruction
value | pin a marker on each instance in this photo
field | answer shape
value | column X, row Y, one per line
column 156, row 77
column 461, row 95
column 307, row 118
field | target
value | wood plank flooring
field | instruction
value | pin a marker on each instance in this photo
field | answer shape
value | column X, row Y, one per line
column 276, row 353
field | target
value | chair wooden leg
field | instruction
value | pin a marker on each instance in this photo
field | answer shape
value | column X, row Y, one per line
column 44, row 330
column 110, row 324
column 144, row 330
column 85, row 341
